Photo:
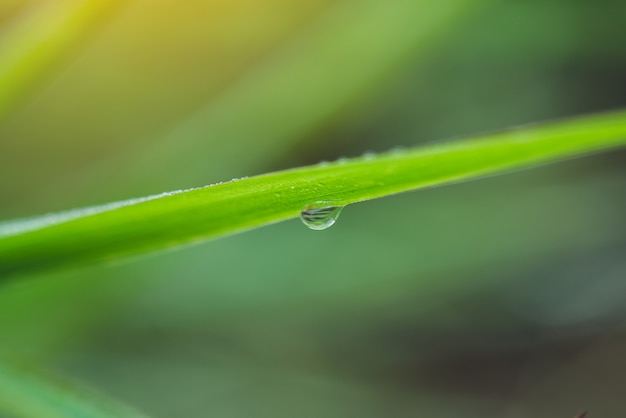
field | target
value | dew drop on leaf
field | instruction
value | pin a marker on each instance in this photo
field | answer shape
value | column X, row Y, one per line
column 320, row 216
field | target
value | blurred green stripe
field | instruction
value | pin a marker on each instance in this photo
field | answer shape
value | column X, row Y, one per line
column 30, row 394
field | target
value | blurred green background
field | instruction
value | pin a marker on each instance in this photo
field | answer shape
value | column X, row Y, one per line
column 502, row 297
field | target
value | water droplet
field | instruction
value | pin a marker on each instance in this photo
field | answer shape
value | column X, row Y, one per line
column 320, row 216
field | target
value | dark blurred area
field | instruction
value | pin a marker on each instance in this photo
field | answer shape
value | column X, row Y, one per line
column 503, row 297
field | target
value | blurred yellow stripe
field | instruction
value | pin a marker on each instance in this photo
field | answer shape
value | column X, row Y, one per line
column 347, row 54
column 32, row 45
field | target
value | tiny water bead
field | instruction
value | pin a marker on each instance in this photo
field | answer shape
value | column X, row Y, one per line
column 320, row 216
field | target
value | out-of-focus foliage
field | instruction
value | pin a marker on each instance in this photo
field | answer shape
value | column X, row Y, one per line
column 497, row 298
column 32, row 394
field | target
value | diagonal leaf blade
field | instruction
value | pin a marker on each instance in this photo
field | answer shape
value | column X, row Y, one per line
column 128, row 228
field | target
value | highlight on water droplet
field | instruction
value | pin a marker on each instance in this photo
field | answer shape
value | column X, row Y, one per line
column 320, row 216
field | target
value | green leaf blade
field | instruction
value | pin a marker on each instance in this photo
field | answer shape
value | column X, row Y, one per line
column 124, row 229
